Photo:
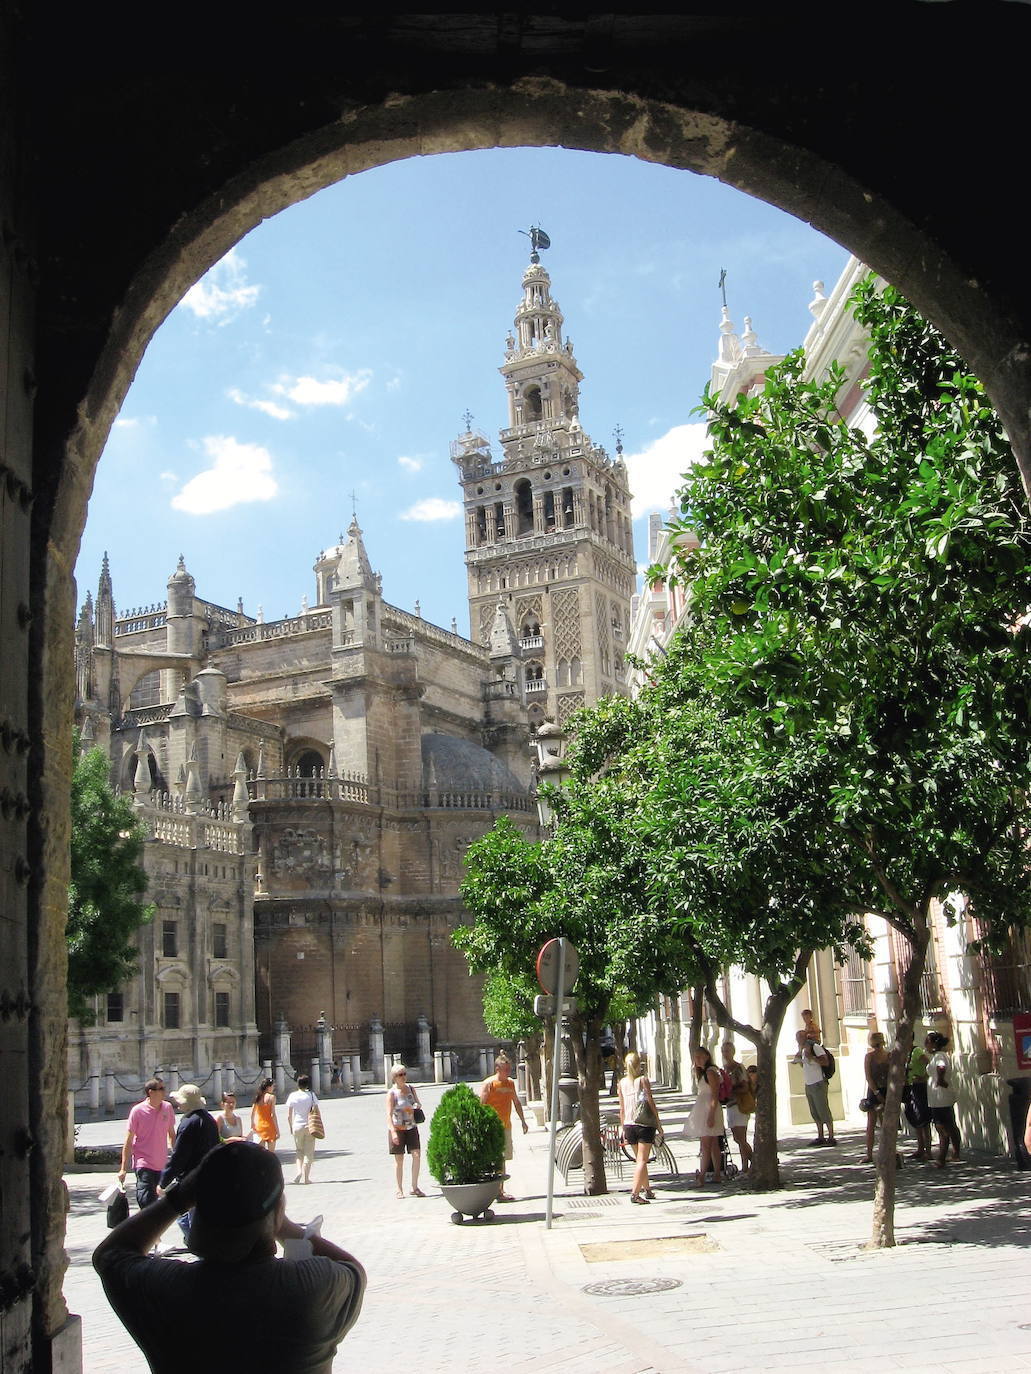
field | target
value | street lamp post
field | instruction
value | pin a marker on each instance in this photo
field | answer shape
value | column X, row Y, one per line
column 548, row 745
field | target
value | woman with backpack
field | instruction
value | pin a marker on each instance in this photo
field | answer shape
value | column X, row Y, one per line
column 741, row 1105
column 706, row 1119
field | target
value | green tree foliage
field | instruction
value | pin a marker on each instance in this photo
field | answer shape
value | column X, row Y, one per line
column 107, row 883
column 717, row 826
column 467, row 1139
column 584, row 884
column 858, row 606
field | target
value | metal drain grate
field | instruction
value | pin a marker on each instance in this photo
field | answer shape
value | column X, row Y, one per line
column 605, row 1200
column 630, row 1288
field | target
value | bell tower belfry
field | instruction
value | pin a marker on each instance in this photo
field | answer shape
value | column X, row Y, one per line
column 548, row 526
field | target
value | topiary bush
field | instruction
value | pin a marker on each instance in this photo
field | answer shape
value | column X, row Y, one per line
column 467, row 1139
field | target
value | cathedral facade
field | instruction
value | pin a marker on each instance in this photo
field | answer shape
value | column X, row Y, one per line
column 309, row 786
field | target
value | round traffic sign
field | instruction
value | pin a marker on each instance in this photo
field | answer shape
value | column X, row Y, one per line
column 547, row 967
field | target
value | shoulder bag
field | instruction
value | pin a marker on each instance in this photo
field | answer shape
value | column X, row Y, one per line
column 644, row 1112
column 316, row 1129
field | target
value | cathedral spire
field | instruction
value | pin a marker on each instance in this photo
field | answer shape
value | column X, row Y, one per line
column 105, row 607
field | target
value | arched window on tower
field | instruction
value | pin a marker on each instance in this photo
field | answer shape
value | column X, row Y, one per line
column 523, row 493
column 499, row 519
column 562, row 673
column 576, row 672
column 533, row 405
column 481, row 524
column 549, row 510
column 567, row 507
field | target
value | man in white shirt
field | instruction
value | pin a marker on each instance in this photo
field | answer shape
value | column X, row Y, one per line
column 813, row 1057
column 298, row 1105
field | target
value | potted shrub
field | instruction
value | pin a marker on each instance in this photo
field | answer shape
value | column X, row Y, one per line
column 466, row 1153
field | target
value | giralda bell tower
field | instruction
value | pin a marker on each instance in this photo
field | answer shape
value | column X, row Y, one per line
column 548, row 527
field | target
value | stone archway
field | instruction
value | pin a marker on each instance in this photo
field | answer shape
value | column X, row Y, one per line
column 116, row 197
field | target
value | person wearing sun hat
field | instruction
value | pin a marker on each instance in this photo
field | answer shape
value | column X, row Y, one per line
column 196, row 1135
column 307, row 1304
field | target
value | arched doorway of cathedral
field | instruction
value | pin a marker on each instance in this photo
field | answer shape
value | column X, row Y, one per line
column 261, row 181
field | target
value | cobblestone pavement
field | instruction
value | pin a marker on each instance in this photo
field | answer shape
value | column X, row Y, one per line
column 765, row 1281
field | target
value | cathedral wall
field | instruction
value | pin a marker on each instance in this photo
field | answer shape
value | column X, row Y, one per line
column 452, row 686
column 387, row 960
column 296, row 657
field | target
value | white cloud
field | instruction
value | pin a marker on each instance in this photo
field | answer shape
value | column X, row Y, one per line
column 272, row 408
column 655, row 471
column 333, row 391
column 433, row 508
column 124, row 422
column 238, row 473
column 169, row 476
column 410, row 464
column 222, row 292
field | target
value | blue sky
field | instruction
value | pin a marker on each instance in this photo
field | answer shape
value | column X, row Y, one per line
column 338, row 346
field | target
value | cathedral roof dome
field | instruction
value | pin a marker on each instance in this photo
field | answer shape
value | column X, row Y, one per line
column 457, row 765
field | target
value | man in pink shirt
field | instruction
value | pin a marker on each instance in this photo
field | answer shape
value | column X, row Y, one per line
column 150, row 1135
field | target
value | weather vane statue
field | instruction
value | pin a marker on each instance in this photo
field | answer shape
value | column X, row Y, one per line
column 538, row 239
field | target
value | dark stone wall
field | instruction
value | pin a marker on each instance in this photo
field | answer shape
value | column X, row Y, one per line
column 133, row 155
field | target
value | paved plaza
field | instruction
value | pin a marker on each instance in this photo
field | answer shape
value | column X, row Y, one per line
column 762, row 1282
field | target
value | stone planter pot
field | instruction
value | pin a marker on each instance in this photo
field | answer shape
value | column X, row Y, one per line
column 472, row 1199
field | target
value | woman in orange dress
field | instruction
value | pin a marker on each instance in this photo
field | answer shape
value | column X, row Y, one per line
column 263, row 1115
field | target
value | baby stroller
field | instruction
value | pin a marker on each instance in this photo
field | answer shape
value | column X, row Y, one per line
column 727, row 1166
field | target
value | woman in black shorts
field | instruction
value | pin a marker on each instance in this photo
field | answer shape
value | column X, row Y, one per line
column 636, row 1102
column 402, row 1132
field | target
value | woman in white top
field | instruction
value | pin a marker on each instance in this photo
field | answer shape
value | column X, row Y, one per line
column 229, row 1123
column 941, row 1097
column 634, row 1089
column 298, row 1105
column 402, row 1131
column 706, row 1119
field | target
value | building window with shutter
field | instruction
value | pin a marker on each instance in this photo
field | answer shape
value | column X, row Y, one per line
column 115, row 1006
column 218, row 940
column 221, row 1008
column 172, row 1011
column 169, row 939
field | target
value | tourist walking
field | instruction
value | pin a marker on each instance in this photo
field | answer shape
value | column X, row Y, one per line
column 264, row 1126
column 639, row 1118
column 499, row 1093
column 742, row 1105
column 229, row 1121
column 402, row 1128
column 149, row 1136
column 941, row 1097
column 301, row 1102
column 875, row 1069
column 706, row 1119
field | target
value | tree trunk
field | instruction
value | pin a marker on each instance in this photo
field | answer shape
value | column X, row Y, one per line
column 883, row 1231
column 697, row 1010
column 619, row 1041
column 587, row 1052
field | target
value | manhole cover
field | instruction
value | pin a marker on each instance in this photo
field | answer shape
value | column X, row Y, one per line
column 630, row 1288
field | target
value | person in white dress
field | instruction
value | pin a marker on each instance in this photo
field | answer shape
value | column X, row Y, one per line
column 706, row 1119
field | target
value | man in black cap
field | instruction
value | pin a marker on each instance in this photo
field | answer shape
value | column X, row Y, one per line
column 307, row 1305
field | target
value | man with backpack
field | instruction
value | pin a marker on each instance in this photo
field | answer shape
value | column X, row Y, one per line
column 816, row 1061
